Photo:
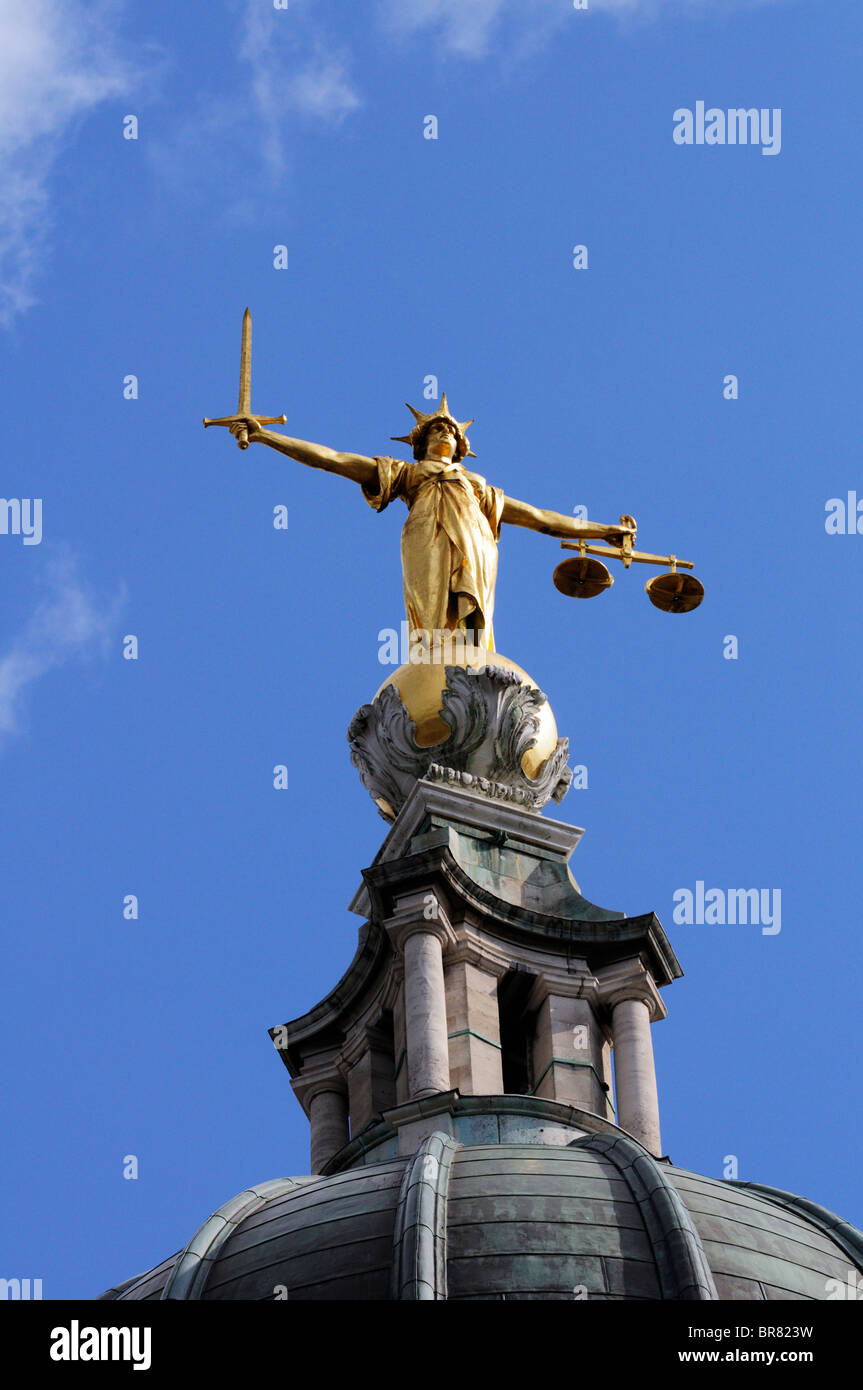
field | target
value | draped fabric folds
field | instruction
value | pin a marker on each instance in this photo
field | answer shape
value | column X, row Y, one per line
column 449, row 542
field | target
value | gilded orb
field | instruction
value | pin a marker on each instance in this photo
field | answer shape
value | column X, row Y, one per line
column 421, row 686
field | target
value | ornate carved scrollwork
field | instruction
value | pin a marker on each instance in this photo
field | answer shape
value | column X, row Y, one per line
column 493, row 718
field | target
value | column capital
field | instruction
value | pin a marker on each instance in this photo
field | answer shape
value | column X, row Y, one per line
column 629, row 979
column 420, row 911
column 314, row 1082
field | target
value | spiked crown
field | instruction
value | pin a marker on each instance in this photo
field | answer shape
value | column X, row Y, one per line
column 417, row 434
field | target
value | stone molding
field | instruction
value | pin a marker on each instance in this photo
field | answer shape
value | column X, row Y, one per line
column 495, row 791
column 560, row 981
column 468, row 949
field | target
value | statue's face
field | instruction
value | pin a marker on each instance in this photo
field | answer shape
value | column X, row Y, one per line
column 441, row 440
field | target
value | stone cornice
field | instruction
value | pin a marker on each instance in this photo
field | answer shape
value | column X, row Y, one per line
column 599, row 941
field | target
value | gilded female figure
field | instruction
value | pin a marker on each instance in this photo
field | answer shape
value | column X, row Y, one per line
column 449, row 541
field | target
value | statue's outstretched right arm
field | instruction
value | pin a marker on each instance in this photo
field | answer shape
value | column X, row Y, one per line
column 354, row 466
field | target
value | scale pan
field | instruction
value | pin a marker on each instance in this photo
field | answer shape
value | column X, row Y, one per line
column 582, row 577
column 674, row 593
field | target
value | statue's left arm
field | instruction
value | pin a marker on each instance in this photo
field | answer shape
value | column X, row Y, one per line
column 556, row 524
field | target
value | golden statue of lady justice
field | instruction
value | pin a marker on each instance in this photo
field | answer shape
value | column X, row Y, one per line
column 449, row 541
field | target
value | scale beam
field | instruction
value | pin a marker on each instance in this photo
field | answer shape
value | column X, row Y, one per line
column 639, row 557
column 586, row 578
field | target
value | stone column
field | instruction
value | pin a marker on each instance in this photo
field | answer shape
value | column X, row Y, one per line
column 630, row 993
column 425, row 1014
column 637, row 1098
column 418, row 931
column 328, row 1116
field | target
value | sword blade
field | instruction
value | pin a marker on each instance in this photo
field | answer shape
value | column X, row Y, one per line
column 245, row 404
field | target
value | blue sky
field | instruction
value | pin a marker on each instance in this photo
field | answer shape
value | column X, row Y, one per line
column 602, row 387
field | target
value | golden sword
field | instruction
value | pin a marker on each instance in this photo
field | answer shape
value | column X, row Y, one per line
column 244, row 405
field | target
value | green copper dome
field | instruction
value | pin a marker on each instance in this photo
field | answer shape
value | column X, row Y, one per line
column 506, row 1197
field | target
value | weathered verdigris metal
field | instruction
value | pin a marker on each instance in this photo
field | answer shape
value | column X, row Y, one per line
column 420, row 1236
column 507, row 1197
column 188, row 1277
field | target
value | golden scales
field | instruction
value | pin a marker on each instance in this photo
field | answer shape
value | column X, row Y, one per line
column 585, row 577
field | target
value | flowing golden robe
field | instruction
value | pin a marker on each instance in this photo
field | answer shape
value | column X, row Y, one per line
column 449, row 542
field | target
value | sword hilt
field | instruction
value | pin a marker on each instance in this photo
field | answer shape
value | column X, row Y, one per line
column 243, row 440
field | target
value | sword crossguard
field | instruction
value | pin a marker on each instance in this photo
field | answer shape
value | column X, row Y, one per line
column 243, row 436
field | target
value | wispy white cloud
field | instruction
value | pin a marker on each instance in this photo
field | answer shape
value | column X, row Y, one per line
column 653, row 9
column 295, row 69
column 322, row 88
column 290, row 70
column 69, row 623
column 58, row 61
column 469, row 28
column 465, row 26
